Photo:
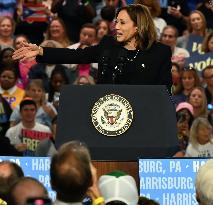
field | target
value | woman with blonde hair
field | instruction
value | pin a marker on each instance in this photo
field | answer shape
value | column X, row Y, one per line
column 200, row 139
column 197, row 99
column 132, row 58
column 7, row 27
column 57, row 31
column 196, row 26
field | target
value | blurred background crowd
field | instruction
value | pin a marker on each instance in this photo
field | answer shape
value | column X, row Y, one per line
column 81, row 23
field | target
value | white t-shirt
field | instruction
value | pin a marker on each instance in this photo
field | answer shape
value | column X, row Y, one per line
column 205, row 150
column 14, row 133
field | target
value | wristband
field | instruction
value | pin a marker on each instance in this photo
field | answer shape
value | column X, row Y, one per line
column 98, row 200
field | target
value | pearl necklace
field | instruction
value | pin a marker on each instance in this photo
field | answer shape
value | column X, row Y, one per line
column 132, row 59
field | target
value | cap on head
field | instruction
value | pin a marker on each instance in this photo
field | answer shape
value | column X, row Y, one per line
column 118, row 186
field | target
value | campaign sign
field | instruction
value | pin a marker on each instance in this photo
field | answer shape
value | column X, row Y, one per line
column 199, row 62
column 194, row 44
column 163, row 3
column 169, row 181
column 38, row 168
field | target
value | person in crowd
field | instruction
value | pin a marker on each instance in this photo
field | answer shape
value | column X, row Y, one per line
column 196, row 27
column 24, row 66
column 102, row 28
column 43, row 71
column 207, row 9
column 57, row 32
column 184, row 115
column 197, row 99
column 188, row 80
column 24, row 189
column 84, row 80
column 176, row 72
column 169, row 37
column 33, row 18
column 155, row 10
column 200, row 139
column 87, row 38
column 176, row 14
column 5, row 113
column 73, row 176
column 118, row 187
column 6, row 56
column 203, row 183
column 45, row 110
column 7, row 27
column 10, row 172
column 207, row 45
column 16, row 134
column 207, row 75
column 74, row 13
column 108, row 5
column 8, row 88
column 108, row 14
column 130, row 59
column 58, row 78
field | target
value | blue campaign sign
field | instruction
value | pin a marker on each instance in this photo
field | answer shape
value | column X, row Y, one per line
column 36, row 167
column 163, row 3
column 194, row 44
column 199, row 62
column 169, row 181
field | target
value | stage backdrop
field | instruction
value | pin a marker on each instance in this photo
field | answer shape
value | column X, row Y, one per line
column 169, row 181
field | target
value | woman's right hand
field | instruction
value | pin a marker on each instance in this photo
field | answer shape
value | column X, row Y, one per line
column 27, row 52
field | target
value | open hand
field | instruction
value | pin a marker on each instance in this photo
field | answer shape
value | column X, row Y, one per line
column 28, row 51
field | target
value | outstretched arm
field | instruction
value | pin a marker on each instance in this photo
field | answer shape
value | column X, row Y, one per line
column 58, row 55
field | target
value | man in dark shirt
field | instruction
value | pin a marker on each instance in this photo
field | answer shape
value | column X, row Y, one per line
column 207, row 75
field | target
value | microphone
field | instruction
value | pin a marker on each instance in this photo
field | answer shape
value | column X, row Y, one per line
column 120, row 65
column 104, row 65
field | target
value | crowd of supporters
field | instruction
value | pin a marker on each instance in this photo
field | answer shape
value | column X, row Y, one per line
column 80, row 23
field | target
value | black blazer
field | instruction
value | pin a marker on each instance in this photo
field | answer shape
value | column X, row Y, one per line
column 118, row 65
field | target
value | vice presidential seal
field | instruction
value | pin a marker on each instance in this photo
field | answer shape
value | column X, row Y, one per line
column 112, row 115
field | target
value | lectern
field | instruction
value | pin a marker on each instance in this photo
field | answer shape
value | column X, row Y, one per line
column 118, row 122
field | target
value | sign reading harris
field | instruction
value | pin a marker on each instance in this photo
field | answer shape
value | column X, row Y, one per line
column 169, row 181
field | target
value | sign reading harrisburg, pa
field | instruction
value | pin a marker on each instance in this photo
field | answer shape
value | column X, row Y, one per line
column 169, row 181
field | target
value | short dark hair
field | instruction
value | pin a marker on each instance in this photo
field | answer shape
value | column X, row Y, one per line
column 108, row 13
column 70, row 172
column 7, row 182
column 206, row 68
column 27, row 101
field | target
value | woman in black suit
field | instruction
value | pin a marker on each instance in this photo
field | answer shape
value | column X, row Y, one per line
column 135, row 57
